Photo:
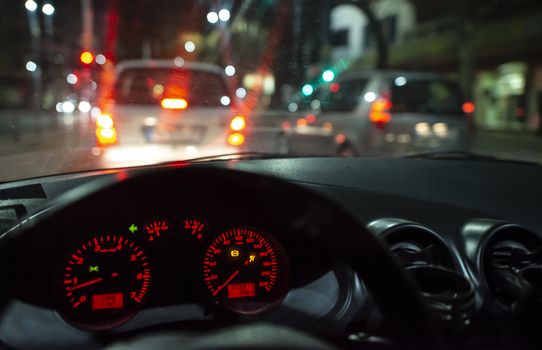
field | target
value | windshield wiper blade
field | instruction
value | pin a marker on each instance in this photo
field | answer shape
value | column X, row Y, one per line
column 462, row 155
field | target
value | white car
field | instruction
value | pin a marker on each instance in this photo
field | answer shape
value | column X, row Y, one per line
column 162, row 110
column 384, row 113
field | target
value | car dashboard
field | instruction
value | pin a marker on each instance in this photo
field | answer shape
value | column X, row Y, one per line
column 162, row 254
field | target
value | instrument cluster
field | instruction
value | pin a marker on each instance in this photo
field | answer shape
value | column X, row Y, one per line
column 107, row 277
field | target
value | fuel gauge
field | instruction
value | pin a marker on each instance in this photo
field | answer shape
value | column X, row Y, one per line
column 194, row 227
column 156, row 228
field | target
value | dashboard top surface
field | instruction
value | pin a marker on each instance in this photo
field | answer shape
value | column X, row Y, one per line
column 501, row 190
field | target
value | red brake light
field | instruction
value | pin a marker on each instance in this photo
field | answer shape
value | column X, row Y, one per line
column 174, row 103
column 469, row 107
column 380, row 112
column 310, row 118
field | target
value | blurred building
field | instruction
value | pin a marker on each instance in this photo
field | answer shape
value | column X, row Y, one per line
column 491, row 46
column 351, row 34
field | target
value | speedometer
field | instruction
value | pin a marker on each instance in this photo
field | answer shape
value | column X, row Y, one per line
column 105, row 281
column 245, row 270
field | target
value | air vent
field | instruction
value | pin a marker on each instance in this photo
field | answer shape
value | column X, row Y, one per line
column 432, row 264
column 511, row 262
column 416, row 245
column 10, row 215
column 22, row 192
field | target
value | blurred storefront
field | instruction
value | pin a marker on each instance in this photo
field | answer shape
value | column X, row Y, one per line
column 492, row 51
column 501, row 97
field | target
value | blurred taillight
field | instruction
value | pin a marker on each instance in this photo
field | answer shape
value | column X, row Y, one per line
column 104, row 121
column 238, row 123
column 302, row 122
column 380, row 112
column 468, row 107
column 106, row 134
column 236, row 139
column 174, row 103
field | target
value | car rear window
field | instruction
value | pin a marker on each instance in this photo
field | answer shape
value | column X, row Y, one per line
column 425, row 96
column 342, row 96
column 148, row 86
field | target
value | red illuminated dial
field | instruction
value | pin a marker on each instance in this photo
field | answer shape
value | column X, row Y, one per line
column 156, row 228
column 105, row 281
column 194, row 227
column 245, row 270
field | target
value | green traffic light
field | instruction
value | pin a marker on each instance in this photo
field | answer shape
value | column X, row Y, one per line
column 328, row 75
column 307, row 90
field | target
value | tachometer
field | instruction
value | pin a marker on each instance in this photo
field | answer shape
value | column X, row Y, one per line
column 245, row 270
column 105, row 281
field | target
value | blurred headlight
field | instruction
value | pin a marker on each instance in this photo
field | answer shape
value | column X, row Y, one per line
column 423, row 129
column 440, row 129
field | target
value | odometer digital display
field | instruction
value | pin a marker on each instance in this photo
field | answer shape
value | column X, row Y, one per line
column 105, row 281
column 245, row 270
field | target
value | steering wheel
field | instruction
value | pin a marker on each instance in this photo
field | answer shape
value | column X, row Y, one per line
column 324, row 222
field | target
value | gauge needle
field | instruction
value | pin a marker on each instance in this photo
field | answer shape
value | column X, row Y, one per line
column 85, row 284
column 226, row 283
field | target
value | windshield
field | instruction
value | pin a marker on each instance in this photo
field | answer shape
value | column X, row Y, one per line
column 92, row 84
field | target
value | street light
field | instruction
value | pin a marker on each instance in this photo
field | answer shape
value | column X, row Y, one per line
column 212, row 17
column 100, row 59
column 48, row 9
column 71, row 79
column 229, row 70
column 241, row 92
column 189, row 46
column 31, row 5
column 31, row 66
column 224, row 15
column 225, row 100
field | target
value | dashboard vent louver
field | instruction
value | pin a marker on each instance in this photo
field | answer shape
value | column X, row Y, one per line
column 22, row 192
column 512, row 264
column 10, row 215
column 433, row 265
column 416, row 245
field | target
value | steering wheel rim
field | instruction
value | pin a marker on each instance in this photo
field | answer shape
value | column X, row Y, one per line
column 332, row 227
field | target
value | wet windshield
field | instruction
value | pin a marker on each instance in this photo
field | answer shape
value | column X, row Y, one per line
column 94, row 84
